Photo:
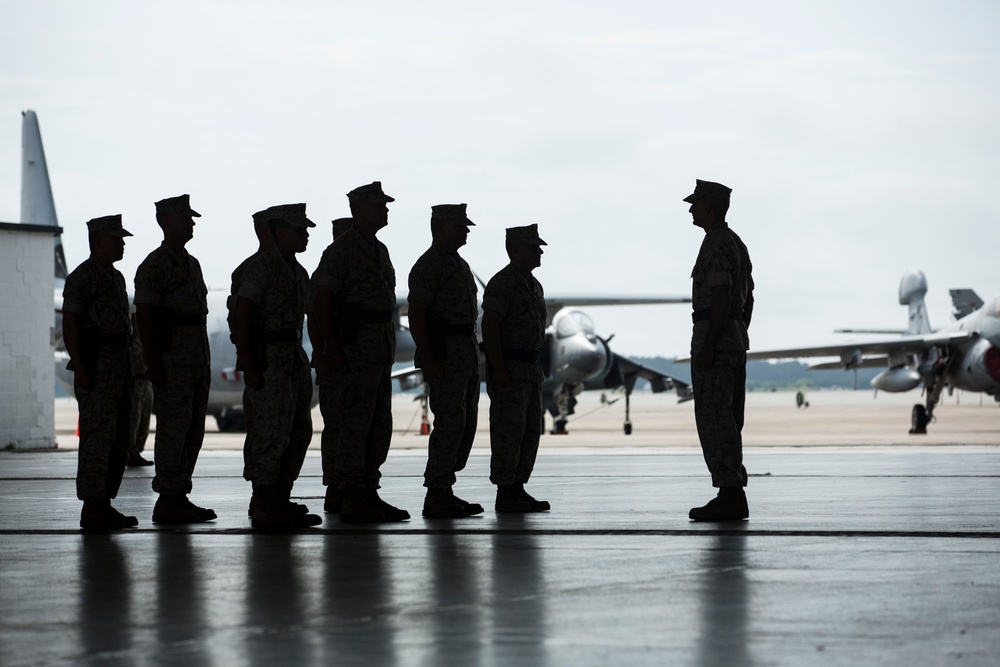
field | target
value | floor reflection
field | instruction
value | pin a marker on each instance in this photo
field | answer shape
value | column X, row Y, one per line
column 458, row 601
column 276, row 613
column 519, row 596
column 725, row 604
column 105, row 599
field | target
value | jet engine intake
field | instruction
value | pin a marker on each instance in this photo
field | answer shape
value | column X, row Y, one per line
column 979, row 369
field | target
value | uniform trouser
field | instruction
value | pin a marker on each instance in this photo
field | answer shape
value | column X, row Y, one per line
column 454, row 400
column 515, row 429
column 719, row 401
column 360, row 403
column 105, row 410
column 180, row 405
column 142, row 406
column 279, row 425
column 331, row 432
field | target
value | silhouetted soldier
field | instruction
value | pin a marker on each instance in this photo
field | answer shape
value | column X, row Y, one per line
column 722, row 298
column 513, row 332
column 267, row 324
column 355, row 298
column 171, row 305
column 142, row 404
column 96, row 330
column 443, row 312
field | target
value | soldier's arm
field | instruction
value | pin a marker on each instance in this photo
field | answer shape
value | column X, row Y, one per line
column 73, row 338
column 243, row 338
column 420, row 329
column 145, row 323
column 327, row 346
column 493, row 346
column 721, row 300
column 748, row 308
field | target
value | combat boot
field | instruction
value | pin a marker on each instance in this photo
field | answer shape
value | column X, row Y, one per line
column 97, row 514
column 127, row 521
column 509, row 501
column 471, row 509
column 535, row 505
column 440, row 503
column 297, row 513
column 204, row 513
column 333, row 500
column 390, row 514
column 356, row 509
column 264, row 516
column 135, row 460
column 729, row 505
column 175, row 508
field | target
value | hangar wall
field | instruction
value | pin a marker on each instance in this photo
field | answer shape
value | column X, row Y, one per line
column 27, row 371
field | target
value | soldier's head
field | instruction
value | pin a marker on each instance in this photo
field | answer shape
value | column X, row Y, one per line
column 175, row 217
column 290, row 227
column 709, row 203
column 524, row 247
column 107, row 238
column 369, row 207
column 262, row 228
column 341, row 225
column 450, row 225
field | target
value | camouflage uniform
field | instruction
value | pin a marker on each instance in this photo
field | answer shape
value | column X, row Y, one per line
column 98, row 295
column 279, row 425
column 357, row 404
column 720, row 392
column 173, row 284
column 142, row 398
column 237, row 282
column 516, row 409
column 445, row 282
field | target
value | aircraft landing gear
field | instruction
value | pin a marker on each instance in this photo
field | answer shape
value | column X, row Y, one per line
column 230, row 421
column 918, row 420
column 628, row 427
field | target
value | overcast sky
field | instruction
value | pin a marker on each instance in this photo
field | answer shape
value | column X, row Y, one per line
column 861, row 139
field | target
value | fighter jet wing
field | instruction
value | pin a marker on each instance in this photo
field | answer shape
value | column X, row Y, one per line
column 556, row 302
column 901, row 344
column 624, row 372
column 410, row 377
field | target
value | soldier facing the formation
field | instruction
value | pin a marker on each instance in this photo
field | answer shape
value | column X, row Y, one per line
column 513, row 332
column 96, row 330
column 267, row 323
column 443, row 312
column 355, row 298
column 171, row 306
column 722, row 298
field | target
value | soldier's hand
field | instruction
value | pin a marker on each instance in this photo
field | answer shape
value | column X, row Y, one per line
column 321, row 362
column 432, row 369
column 253, row 379
column 156, row 375
column 501, row 375
column 705, row 359
column 83, row 379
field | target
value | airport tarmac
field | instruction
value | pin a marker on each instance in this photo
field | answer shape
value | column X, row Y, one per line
column 865, row 546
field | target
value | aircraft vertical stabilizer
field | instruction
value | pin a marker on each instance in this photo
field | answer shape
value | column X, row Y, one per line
column 912, row 288
column 37, row 204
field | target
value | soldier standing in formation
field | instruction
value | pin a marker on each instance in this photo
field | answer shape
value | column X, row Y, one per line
column 514, row 319
column 142, row 404
column 171, row 306
column 443, row 312
column 96, row 331
column 267, row 322
column 355, row 298
column 722, row 298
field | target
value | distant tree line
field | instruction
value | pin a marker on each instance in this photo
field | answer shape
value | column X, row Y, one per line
column 773, row 375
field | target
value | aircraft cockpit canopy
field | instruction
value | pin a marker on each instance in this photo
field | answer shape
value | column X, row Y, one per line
column 571, row 322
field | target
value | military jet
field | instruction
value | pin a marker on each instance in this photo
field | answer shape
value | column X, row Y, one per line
column 963, row 355
column 574, row 356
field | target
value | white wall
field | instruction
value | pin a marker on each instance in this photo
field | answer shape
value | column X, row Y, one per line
column 27, row 375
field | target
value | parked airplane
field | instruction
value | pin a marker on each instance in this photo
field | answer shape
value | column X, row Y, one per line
column 574, row 356
column 963, row 355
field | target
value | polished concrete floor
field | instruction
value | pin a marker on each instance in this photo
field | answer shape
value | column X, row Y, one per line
column 853, row 556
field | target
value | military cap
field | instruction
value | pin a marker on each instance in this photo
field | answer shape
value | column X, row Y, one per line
column 177, row 205
column 708, row 190
column 528, row 233
column 451, row 213
column 262, row 217
column 369, row 193
column 341, row 225
column 108, row 224
column 291, row 214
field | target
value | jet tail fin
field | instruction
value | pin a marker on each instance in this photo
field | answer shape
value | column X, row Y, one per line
column 912, row 288
column 37, row 204
column 964, row 301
